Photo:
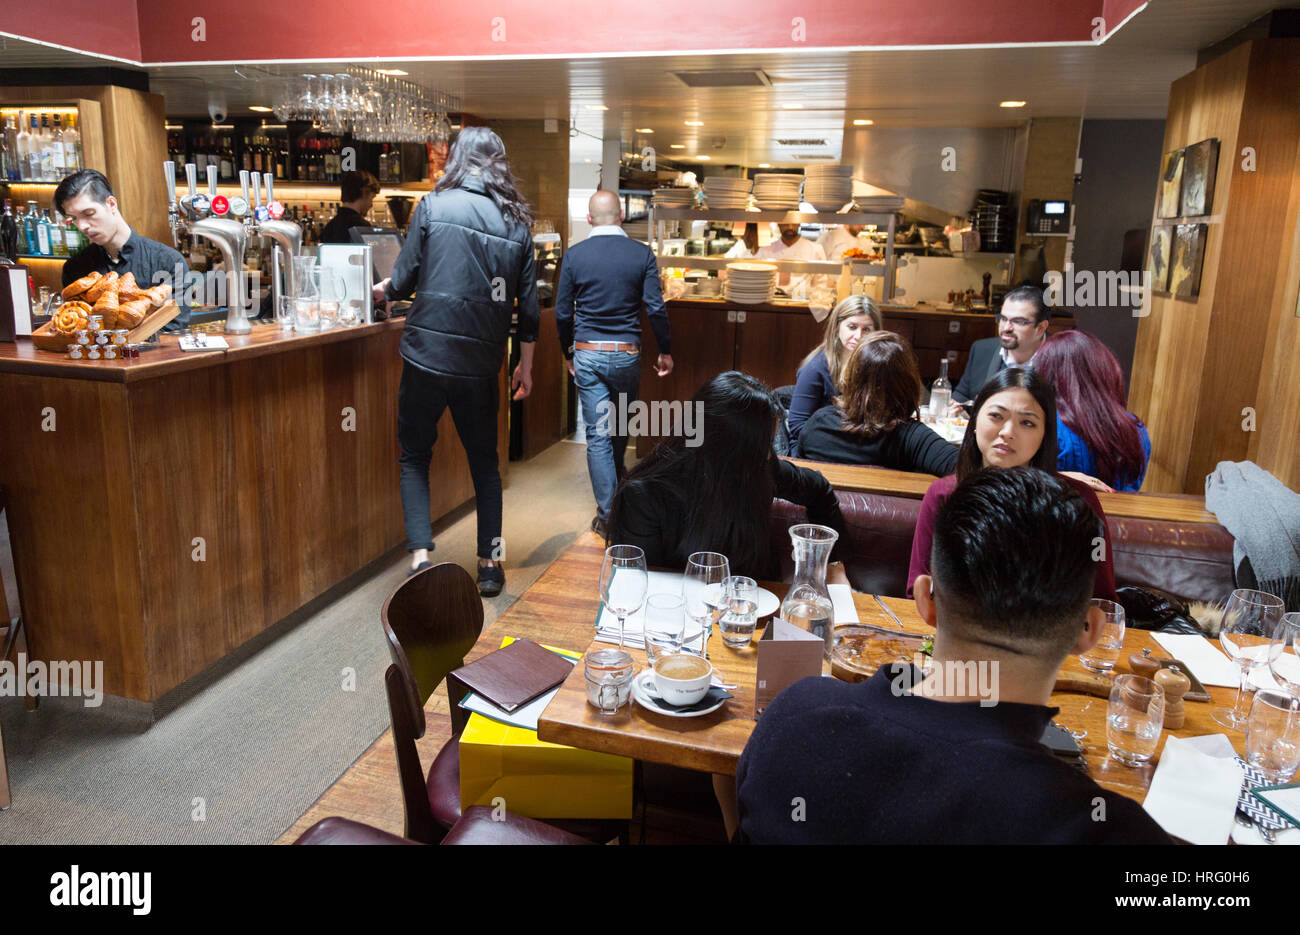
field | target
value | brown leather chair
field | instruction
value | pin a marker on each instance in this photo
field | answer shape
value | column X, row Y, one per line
column 13, row 640
column 476, row 826
column 431, row 621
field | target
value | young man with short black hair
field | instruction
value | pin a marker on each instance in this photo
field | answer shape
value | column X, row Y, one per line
column 904, row 758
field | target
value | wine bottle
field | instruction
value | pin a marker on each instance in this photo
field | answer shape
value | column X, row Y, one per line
column 9, row 233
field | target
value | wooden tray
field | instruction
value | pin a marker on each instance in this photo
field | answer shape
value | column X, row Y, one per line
column 47, row 339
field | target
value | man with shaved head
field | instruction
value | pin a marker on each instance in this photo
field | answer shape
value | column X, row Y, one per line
column 605, row 281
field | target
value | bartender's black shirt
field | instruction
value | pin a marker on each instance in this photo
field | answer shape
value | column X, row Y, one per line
column 144, row 258
column 339, row 228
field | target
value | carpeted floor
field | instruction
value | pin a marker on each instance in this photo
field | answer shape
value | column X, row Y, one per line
column 246, row 753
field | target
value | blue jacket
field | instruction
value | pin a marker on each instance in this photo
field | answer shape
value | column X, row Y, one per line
column 1073, row 454
column 812, row 390
column 604, row 283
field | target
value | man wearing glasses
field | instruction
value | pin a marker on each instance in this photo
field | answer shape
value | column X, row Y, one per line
column 1022, row 328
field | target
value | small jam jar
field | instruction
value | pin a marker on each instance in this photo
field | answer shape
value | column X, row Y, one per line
column 131, row 352
column 110, row 352
column 103, row 337
column 92, row 352
column 83, row 337
column 96, row 322
column 74, row 351
column 119, row 336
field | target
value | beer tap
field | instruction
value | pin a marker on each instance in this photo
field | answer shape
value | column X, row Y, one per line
column 286, row 235
column 230, row 237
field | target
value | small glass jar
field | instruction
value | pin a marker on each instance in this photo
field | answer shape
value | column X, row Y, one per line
column 75, row 352
column 82, row 337
column 609, row 675
column 96, row 322
column 103, row 337
column 120, row 336
column 131, row 352
column 93, row 352
column 110, row 352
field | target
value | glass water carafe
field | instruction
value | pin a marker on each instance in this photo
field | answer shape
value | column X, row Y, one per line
column 306, row 302
column 807, row 605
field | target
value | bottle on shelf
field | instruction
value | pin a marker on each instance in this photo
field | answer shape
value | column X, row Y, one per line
column 57, row 245
column 7, row 154
column 9, row 233
column 282, row 159
column 383, row 164
column 226, row 169
column 58, row 155
column 71, row 144
column 43, row 245
column 72, row 239
column 34, row 150
column 940, row 393
column 246, row 157
column 48, row 145
column 22, row 152
column 31, row 246
column 395, row 163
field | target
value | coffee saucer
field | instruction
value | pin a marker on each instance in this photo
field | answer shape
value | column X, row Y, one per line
column 647, row 696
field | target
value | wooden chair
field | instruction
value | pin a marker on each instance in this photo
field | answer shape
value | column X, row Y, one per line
column 431, row 621
column 14, row 642
column 476, row 826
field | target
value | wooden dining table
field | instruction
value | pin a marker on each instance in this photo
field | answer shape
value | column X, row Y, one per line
column 560, row 609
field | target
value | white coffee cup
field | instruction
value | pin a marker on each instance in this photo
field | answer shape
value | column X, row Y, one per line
column 682, row 678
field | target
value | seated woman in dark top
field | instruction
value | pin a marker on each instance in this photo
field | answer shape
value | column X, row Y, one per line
column 717, row 496
column 874, row 421
column 1012, row 424
column 818, row 379
column 1095, row 433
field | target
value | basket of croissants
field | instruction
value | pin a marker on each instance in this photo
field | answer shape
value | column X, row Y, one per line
column 119, row 301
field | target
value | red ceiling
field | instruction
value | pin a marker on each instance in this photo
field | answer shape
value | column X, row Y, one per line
column 162, row 31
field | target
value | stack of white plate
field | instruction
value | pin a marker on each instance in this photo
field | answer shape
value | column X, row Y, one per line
column 828, row 188
column 721, row 191
column 674, row 198
column 751, row 283
column 776, row 191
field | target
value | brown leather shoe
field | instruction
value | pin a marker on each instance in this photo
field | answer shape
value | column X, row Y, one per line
column 598, row 527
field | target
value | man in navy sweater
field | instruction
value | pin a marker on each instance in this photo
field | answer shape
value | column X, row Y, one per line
column 605, row 281
column 952, row 756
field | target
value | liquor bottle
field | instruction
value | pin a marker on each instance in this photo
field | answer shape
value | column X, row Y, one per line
column 7, row 156
column 14, row 171
column 71, row 145
column 72, row 239
column 43, row 245
column 383, row 164
column 940, row 393
column 23, row 150
column 47, row 150
column 58, row 155
column 34, row 150
column 57, row 246
column 395, row 163
column 29, row 230
column 9, row 233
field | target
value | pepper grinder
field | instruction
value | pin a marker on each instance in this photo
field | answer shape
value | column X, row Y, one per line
column 1175, row 683
column 1144, row 665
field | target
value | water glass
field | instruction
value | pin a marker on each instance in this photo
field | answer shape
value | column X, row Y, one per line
column 740, row 612
column 306, row 314
column 1105, row 652
column 1273, row 735
column 1285, row 663
column 609, row 678
column 665, row 625
column 284, row 312
column 1135, row 715
column 702, row 590
column 1250, row 623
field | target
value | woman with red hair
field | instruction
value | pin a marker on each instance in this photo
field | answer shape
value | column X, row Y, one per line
column 1095, row 433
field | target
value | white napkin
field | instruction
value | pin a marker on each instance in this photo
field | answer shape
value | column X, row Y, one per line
column 1194, row 792
column 842, row 602
column 1209, row 664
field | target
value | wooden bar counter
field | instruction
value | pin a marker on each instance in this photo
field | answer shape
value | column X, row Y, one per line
column 165, row 511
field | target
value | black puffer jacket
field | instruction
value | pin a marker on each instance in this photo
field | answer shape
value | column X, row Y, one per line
column 457, row 245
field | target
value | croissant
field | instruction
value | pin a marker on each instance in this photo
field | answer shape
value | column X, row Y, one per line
column 73, row 289
column 159, row 295
column 104, row 284
column 127, row 284
column 107, row 307
column 130, row 314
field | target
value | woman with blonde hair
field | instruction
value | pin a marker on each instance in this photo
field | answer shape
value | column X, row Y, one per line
column 818, row 380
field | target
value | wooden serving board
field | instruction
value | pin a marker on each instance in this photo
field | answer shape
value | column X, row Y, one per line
column 47, row 339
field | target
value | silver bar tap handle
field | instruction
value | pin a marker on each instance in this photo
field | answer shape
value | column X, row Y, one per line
column 269, row 179
column 192, row 178
column 243, row 184
column 257, row 189
column 212, row 181
column 169, row 176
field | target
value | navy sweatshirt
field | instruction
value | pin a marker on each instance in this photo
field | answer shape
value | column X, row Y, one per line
column 604, row 283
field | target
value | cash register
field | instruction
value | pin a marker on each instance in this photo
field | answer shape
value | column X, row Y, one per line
column 385, row 246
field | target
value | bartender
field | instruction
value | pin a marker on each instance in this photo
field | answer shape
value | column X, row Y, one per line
column 357, row 192
column 88, row 199
column 792, row 246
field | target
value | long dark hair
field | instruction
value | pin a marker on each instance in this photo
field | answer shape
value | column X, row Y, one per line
column 969, row 459
column 727, row 482
column 477, row 151
column 881, row 385
column 1090, row 395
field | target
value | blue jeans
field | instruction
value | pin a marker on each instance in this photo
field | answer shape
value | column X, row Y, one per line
column 600, row 377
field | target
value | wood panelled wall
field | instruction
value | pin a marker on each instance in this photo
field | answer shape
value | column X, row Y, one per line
column 1215, row 378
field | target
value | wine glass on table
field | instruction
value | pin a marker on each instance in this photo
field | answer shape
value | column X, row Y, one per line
column 704, row 593
column 1285, row 663
column 1247, row 635
column 623, row 583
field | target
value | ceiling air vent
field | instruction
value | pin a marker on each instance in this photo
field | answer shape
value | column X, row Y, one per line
column 812, row 156
column 753, row 78
column 802, row 142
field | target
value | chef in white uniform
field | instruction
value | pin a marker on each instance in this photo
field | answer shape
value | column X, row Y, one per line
column 838, row 240
column 792, row 246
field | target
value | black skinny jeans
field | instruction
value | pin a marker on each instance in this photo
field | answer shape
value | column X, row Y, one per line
column 421, row 400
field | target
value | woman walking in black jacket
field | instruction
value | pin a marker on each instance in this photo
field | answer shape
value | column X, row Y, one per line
column 468, row 260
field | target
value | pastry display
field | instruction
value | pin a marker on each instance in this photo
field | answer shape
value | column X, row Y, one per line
column 98, row 304
column 102, row 285
column 74, row 289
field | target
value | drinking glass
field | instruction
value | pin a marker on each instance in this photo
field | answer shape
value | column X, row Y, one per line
column 1135, row 716
column 609, row 675
column 665, row 625
column 740, row 612
column 1285, row 663
column 1250, row 623
column 623, row 583
column 703, row 592
column 333, row 292
column 1105, row 652
column 1273, row 735
column 284, row 312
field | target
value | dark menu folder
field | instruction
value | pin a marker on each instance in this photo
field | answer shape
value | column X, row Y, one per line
column 516, row 674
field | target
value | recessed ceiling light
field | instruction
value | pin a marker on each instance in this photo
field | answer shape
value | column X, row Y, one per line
column 695, row 123
column 702, row 158
column 259, row 108
column 863, row 123
column 792, row 107
column 765, row 165
column 644, row 130
column 676, row 145
column 397, row 72
column 1012, row 104
column 597, row 107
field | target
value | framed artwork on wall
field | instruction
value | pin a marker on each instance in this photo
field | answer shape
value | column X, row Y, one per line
column 1171, row 184
column 1187, row 260
column 1162, row 236
column 1200, row 164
